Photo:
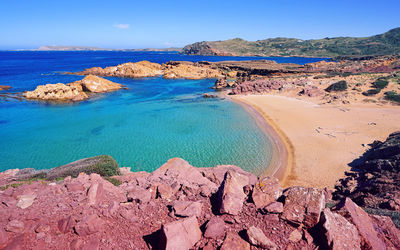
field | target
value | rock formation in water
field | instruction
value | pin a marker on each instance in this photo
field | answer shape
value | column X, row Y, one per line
column 179, row 206
column 4, row 87
column 74, row 91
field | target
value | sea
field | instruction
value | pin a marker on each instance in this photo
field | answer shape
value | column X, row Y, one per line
column 155, row 120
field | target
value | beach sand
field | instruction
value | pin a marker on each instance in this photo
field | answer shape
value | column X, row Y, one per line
column 321, row 140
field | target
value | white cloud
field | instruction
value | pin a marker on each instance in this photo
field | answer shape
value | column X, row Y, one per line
column 122, row 26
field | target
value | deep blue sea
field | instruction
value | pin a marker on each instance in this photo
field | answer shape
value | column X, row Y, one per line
column 143, row 127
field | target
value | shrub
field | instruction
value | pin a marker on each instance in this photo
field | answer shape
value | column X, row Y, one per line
column 103, row 165
column 380, row 84
column 113, row 181
column 392, row 96
column 337, row 86
column 371, row 92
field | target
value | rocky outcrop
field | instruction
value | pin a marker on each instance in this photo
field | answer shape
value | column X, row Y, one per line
column 136, row 70
column 375, row 182
column 189, row 70
column 4, row 87
column 179, row 206
column 56, row 92
column 75, row 91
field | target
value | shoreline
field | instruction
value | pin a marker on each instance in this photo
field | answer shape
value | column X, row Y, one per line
column 282, row 157
column 314, row 145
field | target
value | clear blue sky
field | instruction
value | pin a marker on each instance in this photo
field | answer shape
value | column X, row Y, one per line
column 147, row 23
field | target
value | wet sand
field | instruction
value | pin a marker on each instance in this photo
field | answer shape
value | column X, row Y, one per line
column 319, row 140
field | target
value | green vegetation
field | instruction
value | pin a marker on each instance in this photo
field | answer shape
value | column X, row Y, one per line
column 107, row 166
column 392, row 96
column 384, row 44
column 394, row 215
column 337, row 86
column 22, row 182
column 380, row 84
column 113, row 181
column 371, row 92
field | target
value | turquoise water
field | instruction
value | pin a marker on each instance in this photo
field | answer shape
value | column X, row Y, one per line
column 143, row 127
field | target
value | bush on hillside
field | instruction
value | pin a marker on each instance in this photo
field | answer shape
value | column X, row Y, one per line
column 337, row 86
column 371, row 92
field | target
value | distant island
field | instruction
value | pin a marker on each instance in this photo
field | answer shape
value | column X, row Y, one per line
column 87, row 48
column 384, row 44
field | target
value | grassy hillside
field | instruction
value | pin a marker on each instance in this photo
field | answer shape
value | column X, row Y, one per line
column 383, row 44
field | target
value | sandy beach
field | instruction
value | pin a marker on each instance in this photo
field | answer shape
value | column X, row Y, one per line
column 321, row 140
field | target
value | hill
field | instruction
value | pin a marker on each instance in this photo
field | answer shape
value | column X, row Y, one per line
column 384, row 44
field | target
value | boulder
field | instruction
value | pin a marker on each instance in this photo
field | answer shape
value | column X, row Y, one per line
column 179, row 171
column 339, row 233
column 232, row 195
column 257, row 238
column 364, row 224
column 187, row 208
column 303, row 205
column 139, row 195
column 56, row 92
column 274, row 208
column 66, row 225
column 295, row 236
column 89, row 225
column 26, row 200
column 94, row 193
column 215, row 228
column 182, row 234
column 15, row 226
column 266, row 191
column 233, row 241
column 96, row 84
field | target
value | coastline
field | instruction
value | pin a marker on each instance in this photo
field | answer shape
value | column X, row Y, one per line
column 320, row 141
column 282, row 157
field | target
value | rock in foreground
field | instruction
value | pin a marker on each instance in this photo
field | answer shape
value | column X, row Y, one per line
column 177, row 206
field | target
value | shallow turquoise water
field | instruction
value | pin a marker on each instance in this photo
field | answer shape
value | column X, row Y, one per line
column 143, row 127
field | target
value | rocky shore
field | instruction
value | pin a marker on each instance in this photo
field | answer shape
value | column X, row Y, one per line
column 179, row 206
column 74, row 91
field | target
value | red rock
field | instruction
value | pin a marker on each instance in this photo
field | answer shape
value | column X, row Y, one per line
column 181, row 234
column 387, row 231
column 76, row 244
column 266, row 191
column 233, row 241
column 15, row 244
column 295, row 236
column 89, row 225
column 93, row 244
column 257, row 238
column 66, row 225
column 26, row 200
column 180, row 171
column 139, row 195
column 274, row 208
column 215, row 228
column 3, row 237
column 303, row 205
column 75, row 187
column 232, row 195
column 94, row 193
column 15, row 226
column 129, row 215
column 187, row 208
column 339, row 233
column 165, row 191
column 364, row 224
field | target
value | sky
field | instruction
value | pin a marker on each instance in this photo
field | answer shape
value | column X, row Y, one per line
column 27, row 24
